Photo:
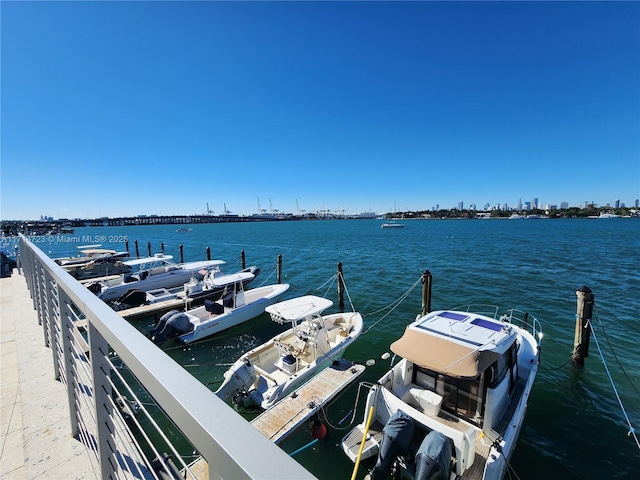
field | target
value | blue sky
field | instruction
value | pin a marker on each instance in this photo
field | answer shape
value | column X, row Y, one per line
column 130, row 108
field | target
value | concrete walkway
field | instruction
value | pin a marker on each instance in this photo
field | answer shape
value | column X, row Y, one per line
column 35, row 432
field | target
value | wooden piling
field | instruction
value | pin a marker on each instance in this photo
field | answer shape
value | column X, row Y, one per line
column 126, row 245
column 242, row 260
column 162, row 247
column 181, row 254
column 149, row 248
column 208, row 253
column 137, row 250
column 340, row 287
column 585, row 302
column 279, row 269
column 427, row 280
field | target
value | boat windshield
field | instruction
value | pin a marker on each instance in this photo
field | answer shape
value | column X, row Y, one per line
column 461, row 397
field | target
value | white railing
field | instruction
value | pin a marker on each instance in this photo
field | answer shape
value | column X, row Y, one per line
column 231, row 447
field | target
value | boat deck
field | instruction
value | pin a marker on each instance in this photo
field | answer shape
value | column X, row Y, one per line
column 375, row 435
column 291, row 412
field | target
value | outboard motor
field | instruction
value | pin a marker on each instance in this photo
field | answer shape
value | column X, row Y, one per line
column 396, row 439
column 433, row 460
column 240, row 377
column 171, row 325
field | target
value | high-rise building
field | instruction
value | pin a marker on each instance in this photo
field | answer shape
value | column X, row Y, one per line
column 534, row 202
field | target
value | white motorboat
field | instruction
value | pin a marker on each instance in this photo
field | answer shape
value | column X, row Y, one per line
column 455, row 401
column 234, row 307
column 608, row 214
column 195, row 291
column 392, row 224
column 93, row 261
column 150, row 273
column 271, row 371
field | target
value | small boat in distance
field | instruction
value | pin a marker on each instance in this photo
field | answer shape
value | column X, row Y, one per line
column 605, row 214
column 455, row 401
column 392, row 224
column 268, row 373
column 234, row 307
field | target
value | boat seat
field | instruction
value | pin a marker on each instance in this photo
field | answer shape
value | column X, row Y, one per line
column 425, row 400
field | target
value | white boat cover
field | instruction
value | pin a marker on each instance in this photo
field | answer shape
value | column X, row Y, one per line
column 223, row 280
column 298, row 308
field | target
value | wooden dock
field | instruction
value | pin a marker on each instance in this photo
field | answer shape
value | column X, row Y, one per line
column 292, row 411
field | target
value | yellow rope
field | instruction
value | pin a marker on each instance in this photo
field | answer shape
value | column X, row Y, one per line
column 364, row 439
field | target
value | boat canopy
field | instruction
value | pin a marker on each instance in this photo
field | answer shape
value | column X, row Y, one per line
column 223, row 280
column 458, row 344
column 298, row 308
column 98, row 251
column 142, row 261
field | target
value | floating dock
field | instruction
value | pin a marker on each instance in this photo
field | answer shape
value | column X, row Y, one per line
column 292, row 411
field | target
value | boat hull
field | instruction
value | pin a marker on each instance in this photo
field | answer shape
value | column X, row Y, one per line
column 483, row 428
column 262, row 377
column 170, row 279
column 262, row 297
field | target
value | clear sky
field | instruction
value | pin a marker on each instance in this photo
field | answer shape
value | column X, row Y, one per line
column 130, row 108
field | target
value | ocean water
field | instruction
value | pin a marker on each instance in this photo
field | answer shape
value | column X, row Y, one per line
column 574, row 427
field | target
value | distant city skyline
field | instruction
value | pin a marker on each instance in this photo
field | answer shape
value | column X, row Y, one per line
column 520, row 206
column 138, row 108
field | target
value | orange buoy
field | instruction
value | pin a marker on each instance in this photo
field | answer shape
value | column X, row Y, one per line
column 318, row 429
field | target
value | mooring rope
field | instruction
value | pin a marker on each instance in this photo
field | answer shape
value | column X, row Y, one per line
column 330, row 282
column 347, row 291
column 269, row 277
column 611, row 348
column 393, row 305
column 632, row 430
column 351, row 414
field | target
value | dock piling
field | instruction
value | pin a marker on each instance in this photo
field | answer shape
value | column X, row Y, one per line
column 181, row 254
column 162, row 247
column 583, row 326
column 279, row 269
column 149, row 248
column 340, row 286
column 242, row 260
column 427, row 281
column 126, row 245
column 208, row 253
column 137, row 251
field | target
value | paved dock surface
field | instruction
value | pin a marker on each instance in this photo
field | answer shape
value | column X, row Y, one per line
column 34, row 423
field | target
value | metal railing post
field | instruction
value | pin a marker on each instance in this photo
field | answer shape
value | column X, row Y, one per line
column 66, row 334
column 51, row 317
column 103, row 409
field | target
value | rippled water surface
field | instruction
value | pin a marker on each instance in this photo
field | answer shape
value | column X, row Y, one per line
column 574, row 426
